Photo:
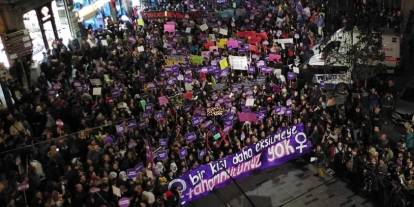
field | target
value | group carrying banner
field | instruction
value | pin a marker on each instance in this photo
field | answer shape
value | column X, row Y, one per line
column 283, row 145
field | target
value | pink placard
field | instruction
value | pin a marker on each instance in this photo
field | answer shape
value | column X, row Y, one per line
column 205, row 54
column 232, row 43
column 274, row 57
column 163, row 100
column 169, row 27
column 247, row 116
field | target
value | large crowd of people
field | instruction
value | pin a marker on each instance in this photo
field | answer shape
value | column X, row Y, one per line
column 124, row 94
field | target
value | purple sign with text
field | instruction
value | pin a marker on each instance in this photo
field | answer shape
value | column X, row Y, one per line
column 284, row 145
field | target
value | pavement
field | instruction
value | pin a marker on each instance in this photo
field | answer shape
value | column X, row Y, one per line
column 289, row 185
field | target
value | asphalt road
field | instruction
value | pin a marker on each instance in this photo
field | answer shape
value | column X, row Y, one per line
column 290, row 185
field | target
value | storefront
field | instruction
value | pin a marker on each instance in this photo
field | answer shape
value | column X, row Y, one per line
column 92, row 13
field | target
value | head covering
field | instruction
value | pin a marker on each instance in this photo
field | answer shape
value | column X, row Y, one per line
column 113, row 175
column 123, row 176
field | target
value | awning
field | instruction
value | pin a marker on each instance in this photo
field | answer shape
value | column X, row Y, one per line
column 89, row 11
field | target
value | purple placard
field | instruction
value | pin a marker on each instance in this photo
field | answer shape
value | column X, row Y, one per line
column 266, row 70
column 246, row 109
column 132, row 124
column 132, row 173
column 76, row 84
column 278, row 109
column 261, row 115
column 188, row 79
column 109, row 139
column 138, row 167
column 228, row 117
column 183, row 153
column 227, row 128
column 190, row 137
column 284, row 145
column 201, row 154
column 162, row 155
column 291, row 75
column 116, row 93
column 282, row 111
column 207, row 124
column 196, row 120
column 210, row 69
column 225, row 73
column 145, row 115
column 171, row 81
column 151, row 85
column 288, row 112
column 159, row 115
column 187, row 108
column 119, row 129
column 251, row 70
column 123, row 202
column 163, row 142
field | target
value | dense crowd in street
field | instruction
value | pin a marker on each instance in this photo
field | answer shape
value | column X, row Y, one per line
column 136, row 96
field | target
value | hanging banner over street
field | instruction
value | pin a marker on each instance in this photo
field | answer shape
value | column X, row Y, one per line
column 171, row 14
column 283, row 145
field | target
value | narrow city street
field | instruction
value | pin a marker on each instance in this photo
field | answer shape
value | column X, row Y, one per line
column 290, row 185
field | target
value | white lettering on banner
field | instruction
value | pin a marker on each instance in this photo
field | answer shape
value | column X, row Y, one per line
column 209, row 184
column 282, row 135
column 280, row 150
column 301, row 142
column 197, row 177
column 217, row 166
column 238, row 62
column 244, row 155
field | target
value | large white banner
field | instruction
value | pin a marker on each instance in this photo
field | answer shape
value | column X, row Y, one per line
column 238, row 62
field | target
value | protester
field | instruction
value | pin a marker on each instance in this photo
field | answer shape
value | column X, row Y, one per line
column 125, row 111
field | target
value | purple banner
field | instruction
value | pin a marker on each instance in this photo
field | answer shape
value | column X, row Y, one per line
column 284, row 145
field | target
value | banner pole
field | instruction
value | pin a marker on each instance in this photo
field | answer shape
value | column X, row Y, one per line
column 238, row 186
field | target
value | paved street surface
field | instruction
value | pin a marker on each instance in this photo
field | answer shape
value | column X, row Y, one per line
column 289, row 185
